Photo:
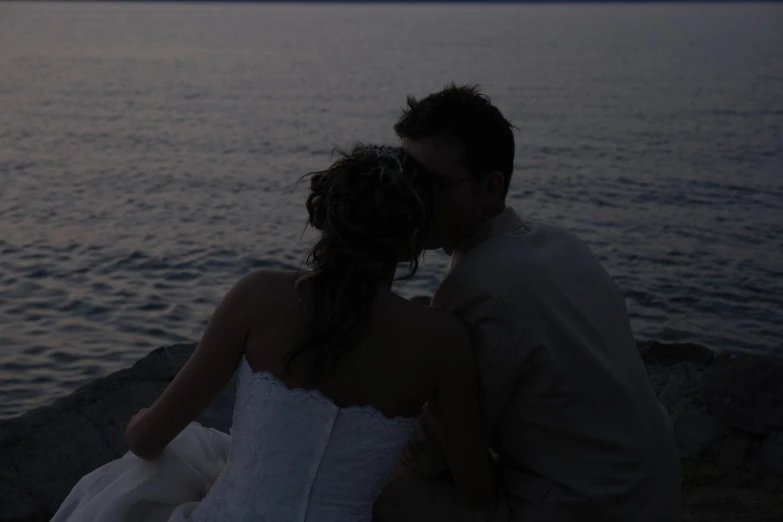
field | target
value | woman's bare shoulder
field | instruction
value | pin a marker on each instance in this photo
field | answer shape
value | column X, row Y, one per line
column 265, row 279
column 262, row 288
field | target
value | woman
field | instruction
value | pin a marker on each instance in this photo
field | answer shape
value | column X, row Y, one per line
column 334, row 369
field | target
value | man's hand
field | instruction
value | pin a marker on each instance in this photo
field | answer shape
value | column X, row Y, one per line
column 424, row 453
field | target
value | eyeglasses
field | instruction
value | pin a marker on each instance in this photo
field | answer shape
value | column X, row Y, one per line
column 441, row 184
column 444, row 185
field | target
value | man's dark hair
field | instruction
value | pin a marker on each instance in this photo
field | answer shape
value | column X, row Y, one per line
column 466, row 115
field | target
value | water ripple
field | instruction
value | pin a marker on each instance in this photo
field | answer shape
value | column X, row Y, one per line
column 150, row 157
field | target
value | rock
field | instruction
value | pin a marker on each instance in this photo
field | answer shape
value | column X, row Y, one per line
column 46, row 451
column 669, row 354
column 55, row 453
column 715, row 492
column 676, row 372
column 771, row 453
column 698, row 433
column 745, row 391
column 734, row 449
column 677, row 385
column 17, row 504
column 726, row 410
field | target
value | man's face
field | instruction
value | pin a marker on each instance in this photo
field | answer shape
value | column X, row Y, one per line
column 458, row 207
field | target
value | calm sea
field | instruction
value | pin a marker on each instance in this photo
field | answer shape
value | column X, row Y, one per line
column 148, row 154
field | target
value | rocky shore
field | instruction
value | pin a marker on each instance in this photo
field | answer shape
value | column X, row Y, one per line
column 727, row 410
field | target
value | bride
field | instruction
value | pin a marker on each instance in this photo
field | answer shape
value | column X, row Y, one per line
column 333, row 370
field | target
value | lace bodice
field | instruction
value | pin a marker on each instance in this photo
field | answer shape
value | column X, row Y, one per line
column 297, row 457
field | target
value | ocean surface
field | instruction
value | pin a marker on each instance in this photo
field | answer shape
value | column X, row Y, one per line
column 149, row 154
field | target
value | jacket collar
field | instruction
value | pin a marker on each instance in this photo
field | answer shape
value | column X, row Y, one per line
column 504, row 223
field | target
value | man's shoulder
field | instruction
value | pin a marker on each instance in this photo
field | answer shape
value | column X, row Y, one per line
column 464, row 281
column 507, row 265
column 494, row 262
column 472, row 284
column 520, row 253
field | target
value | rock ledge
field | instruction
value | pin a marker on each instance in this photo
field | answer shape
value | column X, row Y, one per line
column 727, row 410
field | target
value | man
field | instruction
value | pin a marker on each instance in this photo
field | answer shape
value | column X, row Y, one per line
column 567, row 406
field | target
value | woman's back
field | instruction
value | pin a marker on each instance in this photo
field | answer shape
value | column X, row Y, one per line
column 393, row 366
column 333, row 371
column 322, row 453
column 296, row 456
column 335, row 368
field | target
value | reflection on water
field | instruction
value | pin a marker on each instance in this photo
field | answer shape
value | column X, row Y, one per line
column 148, row 155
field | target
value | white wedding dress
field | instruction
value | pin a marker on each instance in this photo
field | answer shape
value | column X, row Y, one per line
column 293, row 456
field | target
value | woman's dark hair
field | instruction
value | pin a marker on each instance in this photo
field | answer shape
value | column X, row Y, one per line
column 368, row 205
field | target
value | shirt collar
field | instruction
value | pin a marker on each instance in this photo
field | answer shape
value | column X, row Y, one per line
column 503, row 223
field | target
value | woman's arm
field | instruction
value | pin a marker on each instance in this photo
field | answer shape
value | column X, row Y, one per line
column 455, row 410
column 201, row 379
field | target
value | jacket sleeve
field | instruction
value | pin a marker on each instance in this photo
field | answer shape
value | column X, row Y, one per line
column 498, row 367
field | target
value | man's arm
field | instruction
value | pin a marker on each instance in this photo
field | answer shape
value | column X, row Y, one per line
column 498, row 365
column 497, row 355
column 424, row 453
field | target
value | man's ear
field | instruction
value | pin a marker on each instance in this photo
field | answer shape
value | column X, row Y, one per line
column 494, row 184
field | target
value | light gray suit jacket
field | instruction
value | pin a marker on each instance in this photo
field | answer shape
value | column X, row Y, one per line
column 566, row 400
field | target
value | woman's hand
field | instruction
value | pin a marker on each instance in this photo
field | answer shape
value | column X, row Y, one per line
column 134, row 436
column 137, row 415
column 133, row 422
